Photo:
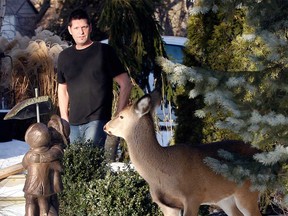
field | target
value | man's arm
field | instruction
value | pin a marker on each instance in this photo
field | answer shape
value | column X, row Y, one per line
column 124, row 82
column 63, row 100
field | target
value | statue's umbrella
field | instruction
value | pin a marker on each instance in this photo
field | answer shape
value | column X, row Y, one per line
column 29, row 108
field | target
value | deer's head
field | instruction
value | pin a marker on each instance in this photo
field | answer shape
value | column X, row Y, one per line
column 129, row 117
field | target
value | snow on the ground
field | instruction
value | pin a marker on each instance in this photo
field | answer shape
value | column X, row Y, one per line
column 119, row 166
column 14, row 191
column 12, row 152
column 13, row 210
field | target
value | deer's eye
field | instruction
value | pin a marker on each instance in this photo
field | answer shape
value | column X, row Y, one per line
column 121, row 117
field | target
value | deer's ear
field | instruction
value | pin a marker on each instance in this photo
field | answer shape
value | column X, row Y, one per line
column 142, row 106
column 155, row 99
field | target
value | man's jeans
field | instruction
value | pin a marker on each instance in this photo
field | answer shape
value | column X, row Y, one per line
column 90, row 132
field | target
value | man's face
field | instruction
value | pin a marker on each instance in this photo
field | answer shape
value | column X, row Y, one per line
column 80, row 32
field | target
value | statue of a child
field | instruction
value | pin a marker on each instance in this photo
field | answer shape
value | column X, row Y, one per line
column 43, row 164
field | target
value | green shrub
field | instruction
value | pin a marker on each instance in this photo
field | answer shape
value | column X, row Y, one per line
column 91, row 188
column 83, row 163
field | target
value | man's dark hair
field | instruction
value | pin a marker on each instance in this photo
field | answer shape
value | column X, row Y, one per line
column 79, row 14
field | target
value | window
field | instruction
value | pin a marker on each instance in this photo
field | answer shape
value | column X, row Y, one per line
column 8, row 27
column 174, row 47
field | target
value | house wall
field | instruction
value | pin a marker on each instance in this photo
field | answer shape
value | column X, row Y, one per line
column 2, row 11
column 8, row 27
column 20, row 16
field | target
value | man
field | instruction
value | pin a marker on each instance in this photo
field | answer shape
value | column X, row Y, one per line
column 86, row 72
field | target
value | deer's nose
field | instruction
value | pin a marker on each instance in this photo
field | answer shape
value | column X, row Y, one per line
column 106, row 131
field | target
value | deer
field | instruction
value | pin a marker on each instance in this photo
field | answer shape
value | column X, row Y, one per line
column 179, row 181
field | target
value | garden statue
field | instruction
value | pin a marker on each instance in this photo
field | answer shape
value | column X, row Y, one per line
column 43, row 164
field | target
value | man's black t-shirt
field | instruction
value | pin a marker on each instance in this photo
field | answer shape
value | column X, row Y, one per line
column 89, row 74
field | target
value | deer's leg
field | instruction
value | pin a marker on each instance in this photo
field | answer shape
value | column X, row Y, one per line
column 168, row 211
column 228, row 205
column 247, row 202
column 191, row 208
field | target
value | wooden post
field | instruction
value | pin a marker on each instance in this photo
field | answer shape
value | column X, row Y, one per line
column 11, row 170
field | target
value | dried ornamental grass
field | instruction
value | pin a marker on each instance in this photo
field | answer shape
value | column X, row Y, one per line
column 34, row 65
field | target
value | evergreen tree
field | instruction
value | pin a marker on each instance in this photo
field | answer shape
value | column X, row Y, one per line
column 238, row 64
column 135, row 34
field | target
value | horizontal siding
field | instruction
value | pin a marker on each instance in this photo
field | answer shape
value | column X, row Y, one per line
column 25, row 16
column 20, row 7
